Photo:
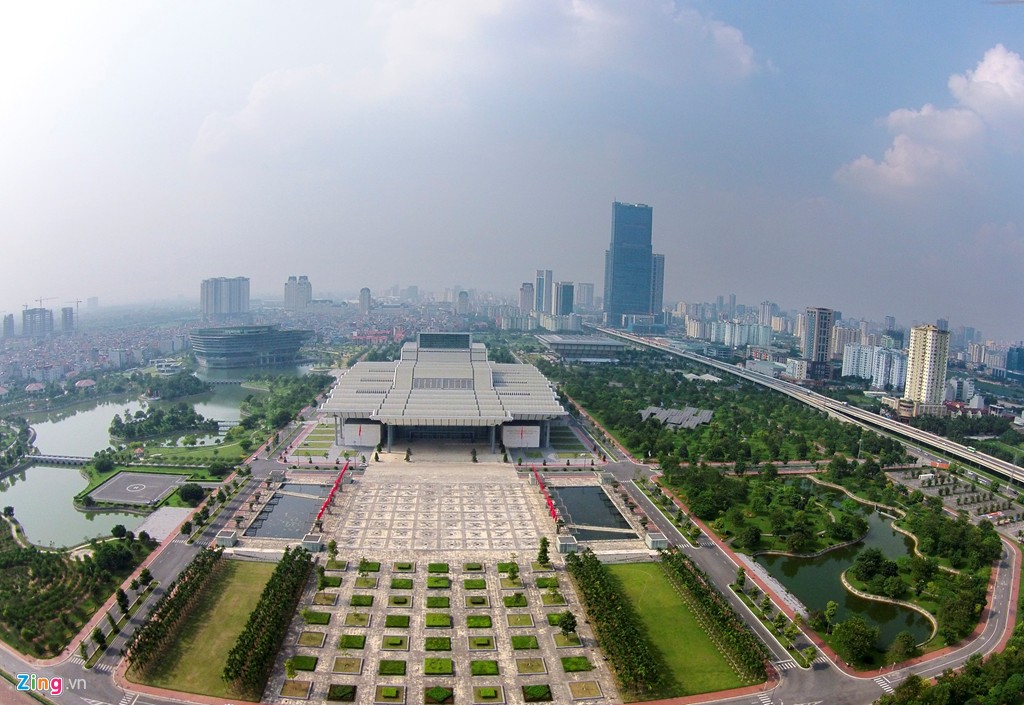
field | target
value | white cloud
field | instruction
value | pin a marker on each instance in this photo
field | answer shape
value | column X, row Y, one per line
column 427, row 58
column 933, row 146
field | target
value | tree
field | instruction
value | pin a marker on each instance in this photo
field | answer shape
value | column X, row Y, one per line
column 118, row 531
column 9, row 512
column 831, row 608
column 122, row 600
column 513, row 571
column 903, row 647
column 191, row 494
column 809, row 653
column 854, row 638
column 741, row 578
column 542, row 553
column 186, row 528
column 145, row 577
column 567, row 623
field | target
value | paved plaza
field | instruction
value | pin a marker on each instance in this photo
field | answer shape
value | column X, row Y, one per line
column 439, row 507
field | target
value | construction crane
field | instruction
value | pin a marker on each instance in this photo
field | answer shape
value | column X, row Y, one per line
column 75, row 302
column 41, row 299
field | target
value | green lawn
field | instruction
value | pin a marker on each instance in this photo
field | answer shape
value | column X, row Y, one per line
column 696, row 664
column 194, row 664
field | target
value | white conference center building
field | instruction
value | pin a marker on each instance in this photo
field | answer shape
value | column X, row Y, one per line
column 443, row 387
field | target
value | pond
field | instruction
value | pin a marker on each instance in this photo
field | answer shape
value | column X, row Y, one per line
column 815, row 581
column 290, row 513
column 35, row 493
column 591, row 507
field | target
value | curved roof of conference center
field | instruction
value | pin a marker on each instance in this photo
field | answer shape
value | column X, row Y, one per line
column 443, row 379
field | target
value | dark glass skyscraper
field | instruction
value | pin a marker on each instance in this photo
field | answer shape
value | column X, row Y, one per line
column 633, row 282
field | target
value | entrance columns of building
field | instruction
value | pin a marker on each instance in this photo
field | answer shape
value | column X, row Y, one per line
column 391, row 436
column 545, row 434
column 338, row 427
column 493, row 434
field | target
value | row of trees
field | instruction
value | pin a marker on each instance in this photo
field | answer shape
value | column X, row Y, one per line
column 250, row 661
column 964, row 544
column 616, row 624
column 145, row 647
column 739, row 644
column 160, row 421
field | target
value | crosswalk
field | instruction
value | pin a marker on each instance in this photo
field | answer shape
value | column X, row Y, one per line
column 128, row 699
column 180, row 538
column 765, row 698
column 103, row 668
column 884, row 684
column 77, row 660
column 823, row 660
column 705, row 542
column 785, row 665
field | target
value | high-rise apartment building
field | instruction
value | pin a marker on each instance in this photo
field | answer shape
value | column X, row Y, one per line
column 817, row 343
column 942, row 324
column 584, row 296
column 564, row 292
column 9, row 325
column 890, row 322
column 67, row 319
column 364, row 300
column 765, row 313
column 926, row 365
column 543, row 291
column 657, row 284
column 298, row 293
column 633, row 279
column 527, row 302
column 36, row 322
column 224, row 298
column 841, row 337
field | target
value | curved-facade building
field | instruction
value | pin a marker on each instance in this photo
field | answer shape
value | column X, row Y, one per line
column 247, row 346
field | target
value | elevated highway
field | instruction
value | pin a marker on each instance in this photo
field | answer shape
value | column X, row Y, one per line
column 841, row 410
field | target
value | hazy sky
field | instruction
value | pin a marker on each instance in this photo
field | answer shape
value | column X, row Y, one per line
column 864, row 156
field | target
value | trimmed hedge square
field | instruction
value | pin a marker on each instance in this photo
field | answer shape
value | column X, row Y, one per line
column 369, row 566
column 481, row 643
column 367, row 583
column 330, row 581
column 314, row 617
column 572, row 664
column 438, row 643
column 438, row 667
column 397, row 621
column 361, row 601
column 474, row 584
column 484, row 668
column 390, row 667
column 438, row 694
column 506, row 567
column 352, row 641
column 304, row 663
column 439, row 620
column 438, row 602
column 401, row 583
column 537, row 693
column 525, row 642
column 405, row 567
column 473, row 567
column 437, row 582
column 390, row 642
column 478, row 621
column 339, row 692
column 400, row 601
column 437, row 568
column 544, row 583
column 554, row 618
column 357, row 619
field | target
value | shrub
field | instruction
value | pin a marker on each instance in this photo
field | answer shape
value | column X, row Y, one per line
column 474, row 584
column 314, row 617
column 361, row 601
column 438, row 583
column 303, row 663
column 481, row 621
column 401, row 583
column 473, row 567
column 554, row 618
column 397, row 621
column 438, row 602
column 437, row 568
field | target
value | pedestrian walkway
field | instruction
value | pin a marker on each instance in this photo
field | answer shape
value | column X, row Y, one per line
column 785, row 665
column 778, row 588
column 884, row 684
column 78, row 660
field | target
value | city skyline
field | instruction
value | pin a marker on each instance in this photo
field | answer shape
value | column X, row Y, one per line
column 779, row 165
